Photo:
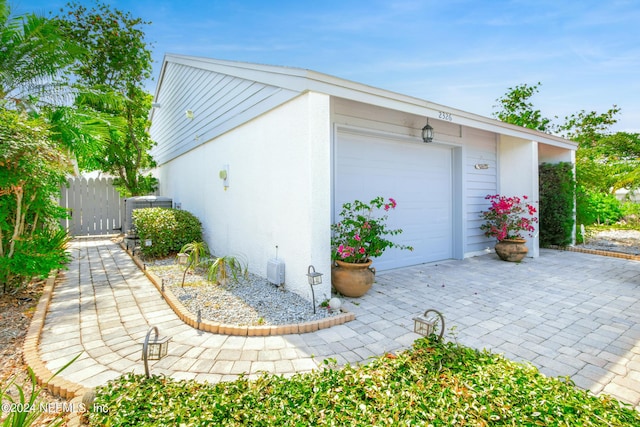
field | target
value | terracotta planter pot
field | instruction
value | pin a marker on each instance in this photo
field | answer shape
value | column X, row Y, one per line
column 352, row 280
column 513, row 250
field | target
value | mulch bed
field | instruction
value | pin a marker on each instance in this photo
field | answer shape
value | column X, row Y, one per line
column 16, row 311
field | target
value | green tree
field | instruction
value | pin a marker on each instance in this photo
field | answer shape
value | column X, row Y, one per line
column 605, row 161
column 34, row 59
column 116, row 64
column 516, row 108
column 32, row 169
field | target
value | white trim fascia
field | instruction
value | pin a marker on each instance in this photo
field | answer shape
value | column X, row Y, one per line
column 298, row 79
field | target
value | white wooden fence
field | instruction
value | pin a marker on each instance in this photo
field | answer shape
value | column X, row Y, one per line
column 94, row 205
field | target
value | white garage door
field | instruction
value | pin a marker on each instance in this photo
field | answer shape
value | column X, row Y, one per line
column 417, row 176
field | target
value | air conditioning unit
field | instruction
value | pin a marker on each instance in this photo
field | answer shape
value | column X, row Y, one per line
column 275, row 271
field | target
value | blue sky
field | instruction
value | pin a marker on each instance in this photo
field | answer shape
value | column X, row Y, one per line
column 461, row 53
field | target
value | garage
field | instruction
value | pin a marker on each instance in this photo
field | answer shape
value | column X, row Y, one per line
column 417, row 175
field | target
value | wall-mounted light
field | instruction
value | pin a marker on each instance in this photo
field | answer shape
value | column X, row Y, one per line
column 427, row 133
column 189, row 114
column 481, row 166
column 224, row 176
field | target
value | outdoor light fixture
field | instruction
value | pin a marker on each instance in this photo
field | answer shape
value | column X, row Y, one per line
column 426, row 324
column 154, row 350
column 314, row 278
column 183, row 259
column 189, row 114
column 427, row 133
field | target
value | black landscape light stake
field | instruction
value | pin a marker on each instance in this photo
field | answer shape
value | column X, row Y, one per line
column 314, row 278
column 154, row 350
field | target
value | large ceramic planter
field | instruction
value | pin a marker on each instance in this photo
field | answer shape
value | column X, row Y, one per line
column 352, row 280
column 513, row 250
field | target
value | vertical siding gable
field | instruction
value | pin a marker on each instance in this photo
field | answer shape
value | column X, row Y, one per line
column 219, row 103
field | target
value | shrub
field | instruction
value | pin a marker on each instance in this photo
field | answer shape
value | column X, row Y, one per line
column 168, row 229
column 631, row 214
column 557, row 192
column 433, row 383
column 597, row 208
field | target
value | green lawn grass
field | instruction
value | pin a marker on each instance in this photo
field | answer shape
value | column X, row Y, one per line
column 432, row 384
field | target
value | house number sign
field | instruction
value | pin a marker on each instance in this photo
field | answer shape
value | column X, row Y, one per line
column 445, row 116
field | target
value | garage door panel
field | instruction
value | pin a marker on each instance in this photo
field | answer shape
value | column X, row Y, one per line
column 418, row 176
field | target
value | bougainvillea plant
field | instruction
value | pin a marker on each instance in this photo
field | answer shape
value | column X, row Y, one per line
column 360, row 235
column 509, row 217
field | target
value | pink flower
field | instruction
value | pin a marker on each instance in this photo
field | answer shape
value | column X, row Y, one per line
column 393, row 202
column 361, row 250
column 386, row 207
column 357, row 237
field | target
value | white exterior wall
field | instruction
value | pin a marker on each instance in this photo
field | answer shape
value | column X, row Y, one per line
column 480, row 179
column 517, row 155
column 551, row 154
column 278, row 194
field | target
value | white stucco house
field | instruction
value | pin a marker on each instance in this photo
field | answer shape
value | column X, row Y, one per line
column 296, row 144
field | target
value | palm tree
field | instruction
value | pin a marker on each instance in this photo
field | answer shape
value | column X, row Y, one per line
column 34, row 58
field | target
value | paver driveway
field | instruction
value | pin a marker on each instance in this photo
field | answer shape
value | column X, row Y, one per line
column 567, row 313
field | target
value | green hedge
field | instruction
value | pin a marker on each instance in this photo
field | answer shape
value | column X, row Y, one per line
column 433, row 383
column 168, row 229
column 557, row 193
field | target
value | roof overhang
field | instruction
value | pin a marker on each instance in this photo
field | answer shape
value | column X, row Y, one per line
column 302, row 80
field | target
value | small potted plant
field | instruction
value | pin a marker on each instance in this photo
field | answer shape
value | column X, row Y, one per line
column 357, row 238
column 507, row 219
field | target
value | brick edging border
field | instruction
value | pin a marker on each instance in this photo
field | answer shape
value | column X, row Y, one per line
column 596, row 252
column 31, row 355
column 226, row 329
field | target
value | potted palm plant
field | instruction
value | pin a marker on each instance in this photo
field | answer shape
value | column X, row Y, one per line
column 507, row 219
column 359, row 236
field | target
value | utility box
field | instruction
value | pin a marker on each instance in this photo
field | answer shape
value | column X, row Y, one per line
column 275, row 271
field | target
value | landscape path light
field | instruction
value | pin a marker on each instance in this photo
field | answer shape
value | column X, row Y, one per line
column 314, row 278
column 427, row 324
column 154, row 350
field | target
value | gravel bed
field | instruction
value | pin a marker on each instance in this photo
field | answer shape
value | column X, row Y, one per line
column 623, row 241
column 252, row 301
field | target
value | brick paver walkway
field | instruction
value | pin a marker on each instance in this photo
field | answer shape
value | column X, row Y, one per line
column 567, row 313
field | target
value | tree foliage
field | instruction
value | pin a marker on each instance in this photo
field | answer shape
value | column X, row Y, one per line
column 70, row 88
column 34, row 58
column 32, row 169
column 112, row 72
column 516, row 108
column 605, row 161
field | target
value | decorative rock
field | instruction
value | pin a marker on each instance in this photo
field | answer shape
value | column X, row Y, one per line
column 335, row 304
column 253, row 301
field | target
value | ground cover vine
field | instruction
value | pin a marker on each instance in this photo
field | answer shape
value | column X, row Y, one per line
column 433, row 383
